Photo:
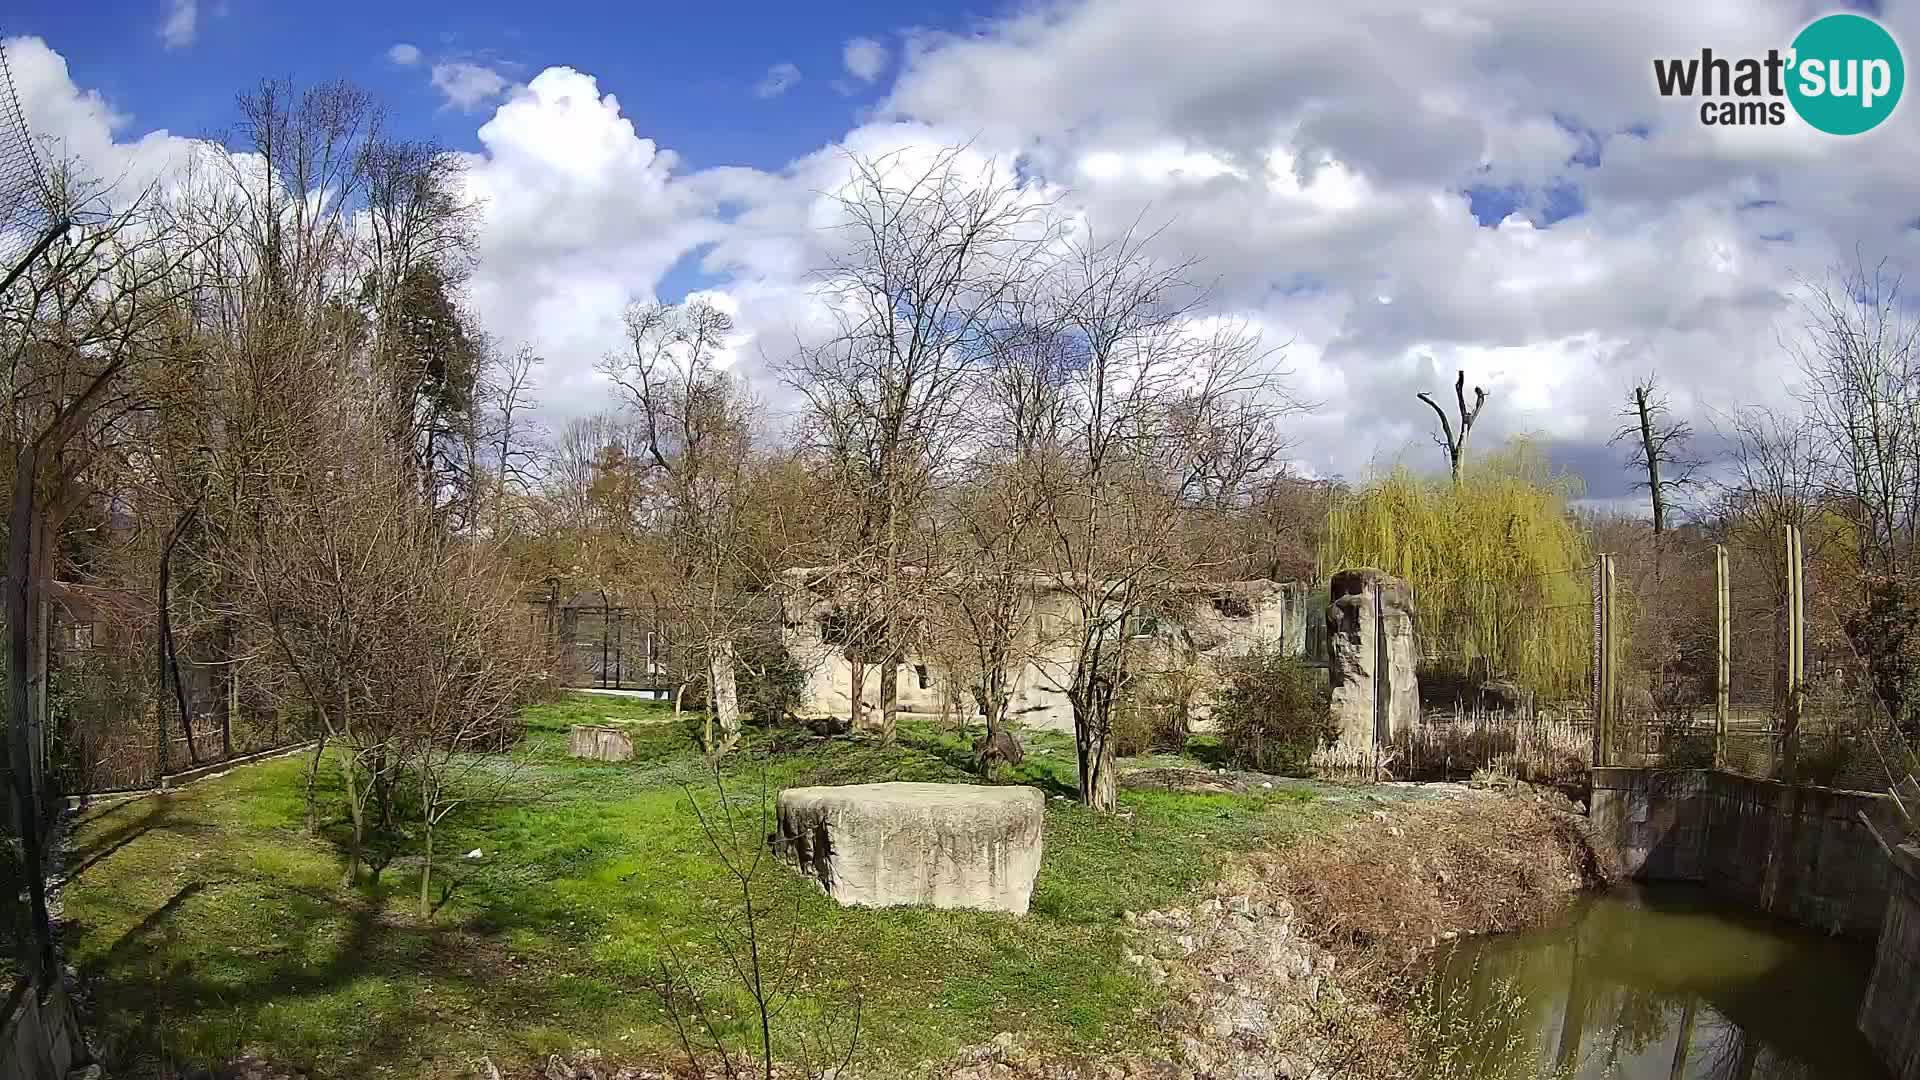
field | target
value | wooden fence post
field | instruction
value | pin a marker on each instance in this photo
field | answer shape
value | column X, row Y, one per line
column 1722, row 650
column 1796, row 651
column 1603, row 724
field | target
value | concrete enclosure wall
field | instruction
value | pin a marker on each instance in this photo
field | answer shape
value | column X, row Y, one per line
column 1220, row 621
column 1890, row 1014
column 1802, row 854
column 1372, row 659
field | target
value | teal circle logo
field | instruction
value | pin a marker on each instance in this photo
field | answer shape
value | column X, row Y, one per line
column 1846, row 74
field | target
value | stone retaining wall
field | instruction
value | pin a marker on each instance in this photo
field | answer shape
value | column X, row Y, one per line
column 1890, row 1014
column 1800, row 853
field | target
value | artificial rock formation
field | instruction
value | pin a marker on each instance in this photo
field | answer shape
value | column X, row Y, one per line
column 597, row 743
column 1355, row 636
column 945, row 845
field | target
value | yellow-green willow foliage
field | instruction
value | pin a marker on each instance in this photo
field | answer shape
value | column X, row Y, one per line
column 1500, row 570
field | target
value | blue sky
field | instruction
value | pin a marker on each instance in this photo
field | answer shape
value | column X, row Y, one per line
column 1387, row 192
column 686, row 76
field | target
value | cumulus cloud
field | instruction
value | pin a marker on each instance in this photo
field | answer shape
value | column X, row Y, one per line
column 404, row 55
column 1332, row 174
column 779, row 79
column 182, row 25
column 83, row 125
column 467, row 86
column 1391, row 192
column 865, row 58
column 582, row 215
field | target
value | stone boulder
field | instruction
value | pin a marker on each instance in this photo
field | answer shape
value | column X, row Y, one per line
column 1354, row 637
column 944, row 845
column 598, row 743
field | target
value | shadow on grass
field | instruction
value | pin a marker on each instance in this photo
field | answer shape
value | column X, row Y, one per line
column 156, row 815
column 152, row 979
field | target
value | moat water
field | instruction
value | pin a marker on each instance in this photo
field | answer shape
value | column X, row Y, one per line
column 1655, row 983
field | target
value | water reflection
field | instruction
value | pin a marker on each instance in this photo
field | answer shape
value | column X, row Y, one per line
column 1657, row 983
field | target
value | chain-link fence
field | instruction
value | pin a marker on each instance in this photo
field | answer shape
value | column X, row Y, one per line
column 27, row 216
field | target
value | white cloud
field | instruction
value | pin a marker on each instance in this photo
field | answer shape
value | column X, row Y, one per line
column 779, row 79
column 468, row 86
column 865, row 58
column 404, row 55
column 182, row 25
column 83, row 125
column 1319, row 168
column 581, row 216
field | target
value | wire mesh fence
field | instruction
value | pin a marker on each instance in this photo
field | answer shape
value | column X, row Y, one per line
column 26, row 204
column 1741, row 656
column 108, row 731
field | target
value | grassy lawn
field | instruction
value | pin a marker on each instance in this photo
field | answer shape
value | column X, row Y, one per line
column 207, row 923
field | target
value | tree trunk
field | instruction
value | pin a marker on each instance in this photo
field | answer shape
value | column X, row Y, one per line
column 313, row 776
column 889, row 700
column 426, row 867
column 1651, row 452
column 356, row 811
column 232, row 695
column 169, row 658
column 1099, row 785
column 37, row 955
column 724, row 692
column 38, row 645
column 857, row 706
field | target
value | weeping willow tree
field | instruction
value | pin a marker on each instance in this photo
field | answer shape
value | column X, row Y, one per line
column 1500, row 569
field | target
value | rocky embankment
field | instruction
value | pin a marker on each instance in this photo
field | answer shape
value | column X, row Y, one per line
column 1303, row 963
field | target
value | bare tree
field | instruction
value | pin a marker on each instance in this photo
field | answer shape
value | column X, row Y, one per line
column 512, row 436
column 1659, row 449
column 1147, row 383
column 762, row 957
column 1860, row 355
column 929, row 256
column 74, row 326
column 1456, row 444
column 696, row 422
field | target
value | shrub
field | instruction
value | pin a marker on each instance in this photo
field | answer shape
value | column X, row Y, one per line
column 1274, row 712
column 770, row 680
column 1153, row 713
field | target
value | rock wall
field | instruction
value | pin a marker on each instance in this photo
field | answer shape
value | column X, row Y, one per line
column 1222, row 621
column 1801, row 854
column 1890, row 1014
column 1369, row 712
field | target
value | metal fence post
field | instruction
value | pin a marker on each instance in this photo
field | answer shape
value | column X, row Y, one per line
column 1723, row 649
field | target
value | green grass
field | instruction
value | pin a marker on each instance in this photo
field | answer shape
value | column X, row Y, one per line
column 208, row 924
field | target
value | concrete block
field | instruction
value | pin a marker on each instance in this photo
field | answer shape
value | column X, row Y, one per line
column 945, row 845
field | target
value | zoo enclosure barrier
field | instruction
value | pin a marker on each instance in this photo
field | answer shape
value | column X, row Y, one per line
column 1739, row 656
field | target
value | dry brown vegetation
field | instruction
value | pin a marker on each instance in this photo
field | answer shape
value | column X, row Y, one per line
column 1384, row 888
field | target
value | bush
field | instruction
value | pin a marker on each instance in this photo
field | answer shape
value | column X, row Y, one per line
column 1274, row 713
column 1153, row 714
column 1138, row 727
column 770, row 680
